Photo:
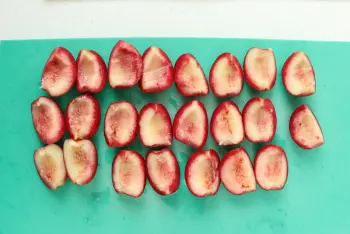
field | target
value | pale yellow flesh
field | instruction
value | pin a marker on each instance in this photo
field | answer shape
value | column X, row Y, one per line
column 271, row 169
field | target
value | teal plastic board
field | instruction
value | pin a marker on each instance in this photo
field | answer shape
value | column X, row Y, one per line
column 316, row 198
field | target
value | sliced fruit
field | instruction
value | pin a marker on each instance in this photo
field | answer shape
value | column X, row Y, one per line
column 120, row 126
column 260, row 68
column 226, row 76
column 271, row 167
column 60, row 72
column 226, row 124
column 155, row 126
column 157, row 73
column 125, row 65
column 48, row 120
column 189, row 77
column 81, row 160
column 202, row 173
column 129, row 173
column 191, row 124
column 236, row 172
column 305, row 129
column 163, row 171
column 50, row 166
column 259, row 119
column 298, row 75
column 83, row 116
column 92, row 72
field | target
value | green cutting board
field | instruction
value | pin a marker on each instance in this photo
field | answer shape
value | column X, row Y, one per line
column 316, row 198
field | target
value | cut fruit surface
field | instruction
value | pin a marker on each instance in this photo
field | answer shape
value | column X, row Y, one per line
column 92, row 72
column 305, row 129
column 236, row 172
column 60, row 72
column 155, row 126
column 191, row 124
column 202, row 173
column 189, row 77
column 50, row 166
column 259, row 119
column 48, row 120
column 157, row 73
column 271, row 167
column 298, row 75
column 125, row 65
column 80, row 158
column 129, row 173
column 260, row 68
column 226, row 76
column 83, row 116
column 120, row 127
column 163, row 171
column 226, row 124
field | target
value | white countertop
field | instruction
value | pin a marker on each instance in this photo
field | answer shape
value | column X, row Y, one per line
column 279, row 19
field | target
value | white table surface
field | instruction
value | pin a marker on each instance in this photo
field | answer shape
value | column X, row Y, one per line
column 279, row 19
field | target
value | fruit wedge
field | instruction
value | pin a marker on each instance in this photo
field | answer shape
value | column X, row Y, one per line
column 298, row 75
column 226, row 76
column 305, row 129
column 50, row 166
column 191, row 124
column 259, row 119
column 47, row 119
column 125, row 65
column 236, row 172
column 163, row 171
column 83, row 116
column 60, row 72
column 189, row 77
column 202, row 173
column 120, row 127
column 155, row 126
column 129, row 173
column 260, row 68
column 157, row 74
column 226, row 124
column 92, row 72
column 80, row 158
column 271, row 167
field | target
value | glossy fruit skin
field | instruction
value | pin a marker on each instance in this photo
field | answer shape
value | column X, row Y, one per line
column 175, row 183
column 176, row 125
column 261, row 150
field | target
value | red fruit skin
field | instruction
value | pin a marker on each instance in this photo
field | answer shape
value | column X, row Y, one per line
column 137, row 65
column 188, row 167
column 215, row 113
column 176, row 125
column 284, row 74
column 234, row 62
column 49, row 63
column 176, row 182
column 180, row 63
column 160, row 109
column 102, row 74
column 95, row 123
column 94, row 168
column 169, row 73
column 45, row 139
column 222, row 163
column 292, row 130
column 143, row 165
column 250, row 79
column 261, row 150
column 109, row 141
column 269, row 105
